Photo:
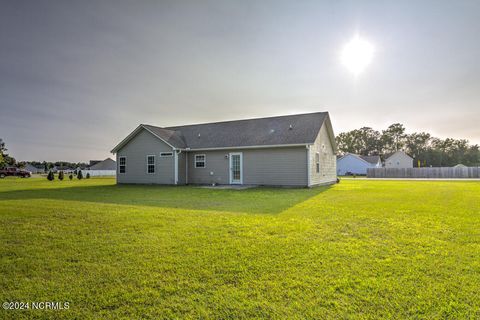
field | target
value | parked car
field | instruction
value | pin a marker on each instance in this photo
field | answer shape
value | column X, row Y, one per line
column 14, row 172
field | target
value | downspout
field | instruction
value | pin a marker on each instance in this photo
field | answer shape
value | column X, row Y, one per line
column 308, row 165
column 175, row 160
column 186, row 167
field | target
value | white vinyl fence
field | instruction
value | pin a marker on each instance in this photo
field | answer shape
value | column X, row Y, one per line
column 425, row 173
column 99, row 173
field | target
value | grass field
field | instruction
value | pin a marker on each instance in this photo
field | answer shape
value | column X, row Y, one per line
column 356, row 250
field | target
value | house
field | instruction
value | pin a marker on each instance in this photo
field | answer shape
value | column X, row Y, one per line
column 93, row 162
column 399, row 159
column 107, row 167
column 33, row 169
column 293, row 150
column 107, row 164
column 357, row 164
column 460, row 165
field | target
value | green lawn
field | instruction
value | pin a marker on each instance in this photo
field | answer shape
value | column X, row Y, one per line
column 357, row 250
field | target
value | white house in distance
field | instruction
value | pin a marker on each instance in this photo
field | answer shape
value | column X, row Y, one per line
column 107, row 167
column 357, row 164
column 399, row 159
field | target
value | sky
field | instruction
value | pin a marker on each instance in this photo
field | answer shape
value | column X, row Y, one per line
column 76, row 77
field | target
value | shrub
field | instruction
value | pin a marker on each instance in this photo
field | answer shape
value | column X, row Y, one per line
column 50, row 176
column 61, row 176
column 70, row 176
column 88, row 175
column 80, row 175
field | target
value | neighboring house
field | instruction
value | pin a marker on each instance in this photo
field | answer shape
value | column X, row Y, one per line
column 107, row 164
column 294, row 150
column 107, row 167
column 94, row 162
column 33, row 169
column 399, row 159
column 357, row 164
column 460, row 166
column 65, row 169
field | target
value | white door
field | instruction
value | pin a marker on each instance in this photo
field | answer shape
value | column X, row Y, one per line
column 236, row 164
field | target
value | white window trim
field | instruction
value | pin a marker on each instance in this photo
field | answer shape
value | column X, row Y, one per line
column 230, row 167
column 119, row 165
column 154, row 164
column 166, row 156
column 204, row 160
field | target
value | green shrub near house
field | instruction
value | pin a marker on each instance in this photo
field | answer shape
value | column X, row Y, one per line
column 50, row 176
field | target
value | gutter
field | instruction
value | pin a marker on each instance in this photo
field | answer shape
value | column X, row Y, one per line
column 253, row 147
column 308, row 166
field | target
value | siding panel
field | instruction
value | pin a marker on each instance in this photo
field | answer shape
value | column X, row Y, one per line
column 328, row 159
column 272, row 166
column 136, row 151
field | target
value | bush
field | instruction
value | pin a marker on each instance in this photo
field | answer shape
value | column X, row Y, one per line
column 80, row 175
column 88, row 175
column 70, row 176
column 61, row 176
column 50, row 176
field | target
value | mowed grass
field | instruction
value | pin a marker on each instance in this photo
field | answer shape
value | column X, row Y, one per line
column 357, row 250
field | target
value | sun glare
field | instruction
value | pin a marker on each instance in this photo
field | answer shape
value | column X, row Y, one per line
column 357, row 55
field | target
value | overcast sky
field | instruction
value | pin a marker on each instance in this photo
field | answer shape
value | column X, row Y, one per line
column 77, row 76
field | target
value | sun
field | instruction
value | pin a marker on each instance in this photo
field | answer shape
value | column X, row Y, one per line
column 357, row 54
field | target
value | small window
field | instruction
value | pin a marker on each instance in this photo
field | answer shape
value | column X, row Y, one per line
column 166, row 154
column 150, row 164
column 122, row 164
column 317, row 162
column 200, row 160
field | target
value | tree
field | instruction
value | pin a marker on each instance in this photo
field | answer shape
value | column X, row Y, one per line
column 5, row 159
column 60, row 176
column 88, row 175
column 427, row 150
column 417, row 145
column 50, row 176
column 364, row 141
column 3, row 148
column 70, row 176
column 80, row 175
column 393, row 139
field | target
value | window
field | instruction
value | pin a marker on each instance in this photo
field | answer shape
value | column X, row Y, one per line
column 150, row 164
column 166, row 154
column 122, row 164
column 200, row 161
column 317, row 162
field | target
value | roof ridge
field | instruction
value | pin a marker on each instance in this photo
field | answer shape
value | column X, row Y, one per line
column 248, row 119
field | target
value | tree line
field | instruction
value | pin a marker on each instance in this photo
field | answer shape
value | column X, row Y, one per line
column 8, row 161
column 422, row 146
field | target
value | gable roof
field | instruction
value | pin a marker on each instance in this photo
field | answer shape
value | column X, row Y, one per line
column 368, row 159
column 298, row 129
column 371, row 159
column 171, row 137
column 107, row 164
column 389, row 155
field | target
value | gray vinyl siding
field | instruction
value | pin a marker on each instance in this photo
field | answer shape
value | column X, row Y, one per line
column 215, row 171
column 136, row 151
column 328, row 160
column 181, row 168
column 265, row 166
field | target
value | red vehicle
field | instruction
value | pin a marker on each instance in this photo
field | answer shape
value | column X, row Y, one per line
column 14, row 172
